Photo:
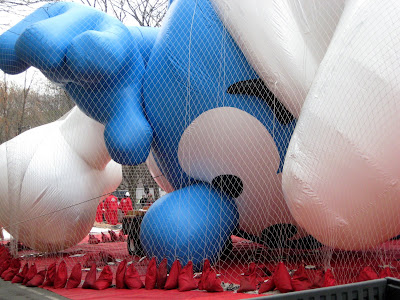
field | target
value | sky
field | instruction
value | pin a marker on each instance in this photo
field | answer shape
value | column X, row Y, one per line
column 7, row 20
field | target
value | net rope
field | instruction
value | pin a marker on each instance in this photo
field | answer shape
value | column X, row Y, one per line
column 208, row 129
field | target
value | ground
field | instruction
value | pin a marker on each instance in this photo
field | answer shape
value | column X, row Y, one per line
column 9, row 290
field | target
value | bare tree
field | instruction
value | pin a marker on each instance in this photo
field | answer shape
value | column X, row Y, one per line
column 12, row 10
column 23, row 107
column 11, row 5
column 147, row 13
column 144, row 12
column 25, row 92
column 4, row 113
column 12, row 103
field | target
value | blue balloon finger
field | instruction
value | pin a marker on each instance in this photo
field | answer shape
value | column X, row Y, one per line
column 128, row 138
column 44, row 44
column 9, row 61
column 96, row 55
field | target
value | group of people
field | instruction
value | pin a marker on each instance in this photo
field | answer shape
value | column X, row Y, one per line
column 147, row 199
column 108, row 209
column 112, row 209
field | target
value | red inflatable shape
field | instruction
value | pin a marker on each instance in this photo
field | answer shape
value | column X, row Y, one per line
column 282, row 278
column 105, row 279
column 60, row 280
column 120, row 275
column 5, row 265
column 267, row 286
column 51, row 275
column 151, row 275
column 19, row 278
column 105, row 238
column 30, row 274
column 367, row 274
column 75, row 278
column 248, row 282
column 186, row 282
column 132, row 278
column 300, row 281
column 13, row 270
column 386, row 272
column 37, row 280
column 10, row 274
column 93, row 240
column 162, row 273
column 113, row 236
column 90, row 278
column 172, row 280
column 329, row 279
column 206, row 270
column 212, row 284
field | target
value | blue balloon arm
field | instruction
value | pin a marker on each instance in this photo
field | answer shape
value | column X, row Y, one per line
column 69, row 43
column 10, row 63
column 97, row 59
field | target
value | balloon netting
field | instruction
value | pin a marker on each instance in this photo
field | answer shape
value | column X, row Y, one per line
column 194, row 121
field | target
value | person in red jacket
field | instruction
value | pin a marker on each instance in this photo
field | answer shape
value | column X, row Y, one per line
column 111, row 210
column 126, row 204
column 99, row 212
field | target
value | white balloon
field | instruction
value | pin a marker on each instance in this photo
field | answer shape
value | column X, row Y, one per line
column 157, row 175
column 342, row 169
column 52, row 179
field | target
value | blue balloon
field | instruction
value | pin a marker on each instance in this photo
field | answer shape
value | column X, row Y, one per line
column 192, row 223
column 147, row 86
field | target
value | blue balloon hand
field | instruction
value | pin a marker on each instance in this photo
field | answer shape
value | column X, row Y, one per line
column 96, row 59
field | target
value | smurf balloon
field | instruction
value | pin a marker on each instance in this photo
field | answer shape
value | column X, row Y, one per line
column 202, row 101
column 217, row 134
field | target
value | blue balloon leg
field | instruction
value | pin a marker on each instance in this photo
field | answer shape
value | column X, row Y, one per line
column 189, row 224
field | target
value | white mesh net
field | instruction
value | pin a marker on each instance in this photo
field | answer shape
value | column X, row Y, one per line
column 268, row 129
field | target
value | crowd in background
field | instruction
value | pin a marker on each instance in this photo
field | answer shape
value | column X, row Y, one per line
column 112, row 209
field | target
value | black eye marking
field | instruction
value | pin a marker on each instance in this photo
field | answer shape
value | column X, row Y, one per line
column 229, row 184
column 257, row 88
